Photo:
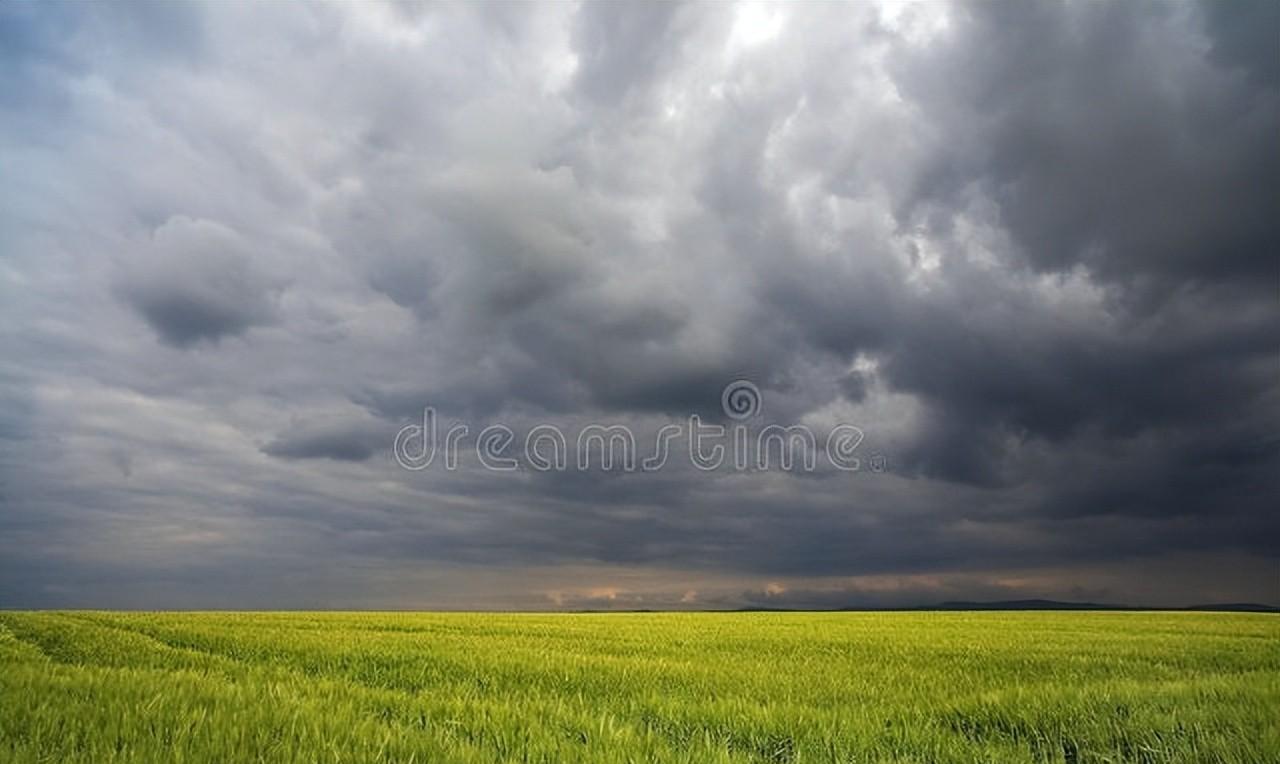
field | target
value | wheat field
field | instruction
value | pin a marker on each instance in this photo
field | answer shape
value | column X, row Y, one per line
column 639, row 687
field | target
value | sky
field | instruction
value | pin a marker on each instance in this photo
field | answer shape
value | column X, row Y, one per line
column 1029, row 250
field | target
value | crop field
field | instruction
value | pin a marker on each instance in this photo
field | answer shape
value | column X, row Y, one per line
column 705, row 687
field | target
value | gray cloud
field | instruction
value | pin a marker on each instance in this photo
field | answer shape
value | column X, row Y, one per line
column 1107, row 139
column 198, row 284
column 344, row 441
column 1028, row 248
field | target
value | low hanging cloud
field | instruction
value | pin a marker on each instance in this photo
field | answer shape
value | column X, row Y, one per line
column 352, row 441
column 198, row 283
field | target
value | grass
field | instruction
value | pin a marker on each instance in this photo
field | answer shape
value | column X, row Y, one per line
column 733, row 687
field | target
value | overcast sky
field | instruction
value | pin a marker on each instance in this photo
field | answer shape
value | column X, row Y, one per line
column 1031, row 249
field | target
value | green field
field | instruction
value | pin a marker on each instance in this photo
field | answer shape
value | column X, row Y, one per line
column 773, row 687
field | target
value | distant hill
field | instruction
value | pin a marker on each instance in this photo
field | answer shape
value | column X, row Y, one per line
column 1024, row 605
column 1037, row 604
column 1240, row 607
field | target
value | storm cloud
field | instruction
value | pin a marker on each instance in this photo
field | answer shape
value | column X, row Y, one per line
column 1029, row 249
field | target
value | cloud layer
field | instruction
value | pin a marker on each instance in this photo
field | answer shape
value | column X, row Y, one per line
column 1029, row 249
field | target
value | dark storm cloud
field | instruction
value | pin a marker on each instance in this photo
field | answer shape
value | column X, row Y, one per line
column 1106, row 139
column 352, row 442
column 182, row 315
column 1003, row 373
column 199, row 284
column 1028, row 248
column 1243, row 36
